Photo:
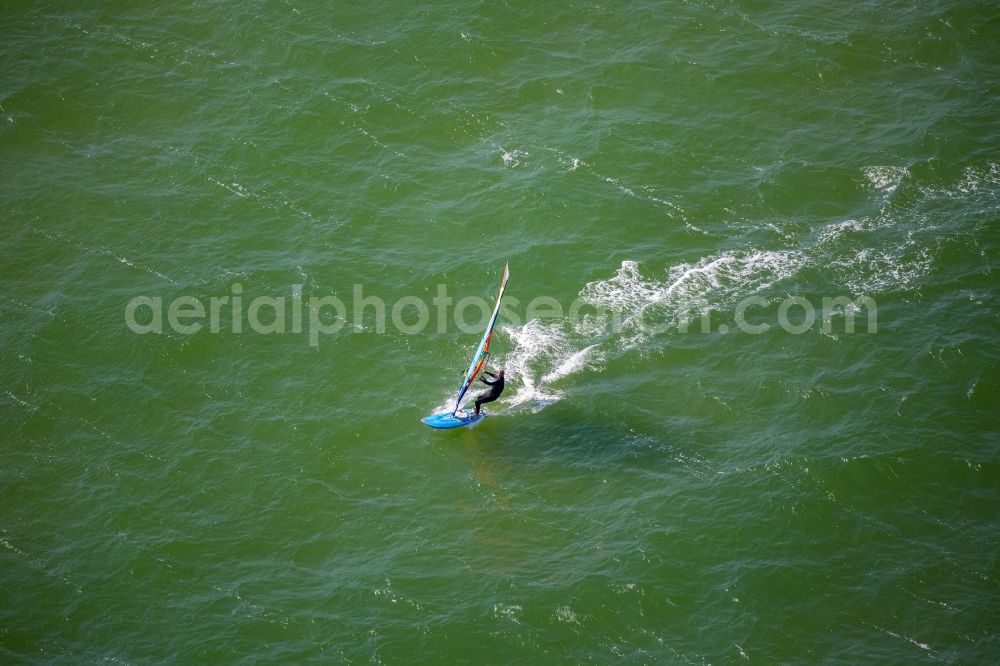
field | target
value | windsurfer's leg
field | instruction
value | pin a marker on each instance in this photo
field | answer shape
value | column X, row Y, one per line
column 489, row 396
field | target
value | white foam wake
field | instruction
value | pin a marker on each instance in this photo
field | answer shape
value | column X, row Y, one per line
column 539, row 347
column 622, row 310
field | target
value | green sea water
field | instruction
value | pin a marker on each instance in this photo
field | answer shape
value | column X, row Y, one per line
column 700, row 463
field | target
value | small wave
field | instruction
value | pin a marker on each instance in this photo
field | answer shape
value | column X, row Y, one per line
column 512, row 158
column 976, row 181
column 974, row 178
column 510, row 612
column 885, row 178
column 878, row 271
column 833, row 231
column 566, row 615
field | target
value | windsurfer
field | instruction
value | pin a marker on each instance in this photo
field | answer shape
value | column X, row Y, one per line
column 496, row 388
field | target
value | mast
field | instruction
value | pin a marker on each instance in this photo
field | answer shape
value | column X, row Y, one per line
column 483, row 350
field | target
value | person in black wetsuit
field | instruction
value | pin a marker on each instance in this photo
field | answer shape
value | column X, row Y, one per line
column 496, row 388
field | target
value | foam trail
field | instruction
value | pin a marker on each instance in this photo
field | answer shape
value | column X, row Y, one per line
column 548, row 351
column 633, row 308
column 534, row 341
column 575, row 362
column 644, row 304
